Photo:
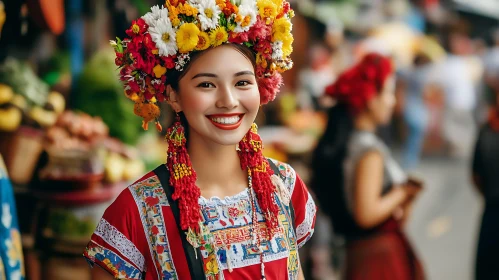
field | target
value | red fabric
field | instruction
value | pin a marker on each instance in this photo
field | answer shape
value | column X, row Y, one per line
column 179, row 258
column 387, row 255
column 125, row 219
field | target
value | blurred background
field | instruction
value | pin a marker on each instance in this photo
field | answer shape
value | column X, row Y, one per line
column 70, row 142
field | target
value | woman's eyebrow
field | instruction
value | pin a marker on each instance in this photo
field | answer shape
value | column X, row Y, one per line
column 244, row 73
column 211, row 75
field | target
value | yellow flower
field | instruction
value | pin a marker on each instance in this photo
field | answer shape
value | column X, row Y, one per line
column 203, row 42
column 267, row 10
column 159, row 71
column 218, row 36
column 287, row 45
column 239, row 18
column 281, row 29
column 246, row 21
column 187, row 9
column 176, row 21
column 187, row 37
column 261, row 61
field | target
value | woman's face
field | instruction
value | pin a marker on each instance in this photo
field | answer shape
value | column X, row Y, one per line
column 381, row 107
column 219, row 96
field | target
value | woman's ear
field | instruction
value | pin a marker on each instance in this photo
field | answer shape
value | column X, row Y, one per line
column 173, row 99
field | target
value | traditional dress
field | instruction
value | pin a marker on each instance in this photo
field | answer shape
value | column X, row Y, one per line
column 138, row 238
column 383, row 252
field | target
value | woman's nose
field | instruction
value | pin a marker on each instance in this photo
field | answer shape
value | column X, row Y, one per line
column 227, row 98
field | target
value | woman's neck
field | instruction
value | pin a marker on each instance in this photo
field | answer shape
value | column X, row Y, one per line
column 364, row 122
column 217, row 167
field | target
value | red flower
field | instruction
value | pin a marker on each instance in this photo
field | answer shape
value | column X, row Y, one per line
column 160, row 249
column 155, row 230
column 120, row 59
column 260, row 30
column 264, row 48
column 233, row 212
column 169, row 61
column 269, row 87
column 138, row 27
column 238, row 38
column 152, row 201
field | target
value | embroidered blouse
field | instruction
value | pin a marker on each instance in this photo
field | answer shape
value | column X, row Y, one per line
column 137, row 237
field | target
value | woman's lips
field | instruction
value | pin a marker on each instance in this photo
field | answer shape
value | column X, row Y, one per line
column 226, row 121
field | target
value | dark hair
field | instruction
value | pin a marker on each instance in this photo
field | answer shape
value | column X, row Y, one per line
column 327, row 165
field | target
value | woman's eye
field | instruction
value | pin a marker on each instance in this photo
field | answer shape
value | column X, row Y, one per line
column 243, row 83
column 206, row 85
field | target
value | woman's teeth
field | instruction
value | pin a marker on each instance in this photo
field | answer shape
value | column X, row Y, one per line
column 231, row 120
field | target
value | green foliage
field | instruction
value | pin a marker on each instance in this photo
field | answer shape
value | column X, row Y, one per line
column 100, row 93
column 23, row 80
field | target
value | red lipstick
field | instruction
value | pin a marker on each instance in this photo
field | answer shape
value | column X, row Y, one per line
column 225, row 126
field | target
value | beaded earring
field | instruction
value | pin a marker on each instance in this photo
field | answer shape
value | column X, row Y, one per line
column 183, row 177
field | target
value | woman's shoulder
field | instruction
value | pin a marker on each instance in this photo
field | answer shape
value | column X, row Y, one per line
column 362, row 142
column 286, row 171
column 147, row 189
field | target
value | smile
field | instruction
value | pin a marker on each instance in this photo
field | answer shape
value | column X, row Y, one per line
column 226, row 121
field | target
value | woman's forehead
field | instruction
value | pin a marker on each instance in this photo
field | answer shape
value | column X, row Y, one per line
column 223, row 59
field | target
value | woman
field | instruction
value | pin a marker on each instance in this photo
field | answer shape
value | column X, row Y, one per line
column 486, row 177
column 358, row 183
column 218, row 209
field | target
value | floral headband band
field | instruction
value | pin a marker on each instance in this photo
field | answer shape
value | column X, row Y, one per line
column 164, row 39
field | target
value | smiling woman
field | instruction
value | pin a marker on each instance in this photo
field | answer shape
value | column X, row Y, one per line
column 217, row 209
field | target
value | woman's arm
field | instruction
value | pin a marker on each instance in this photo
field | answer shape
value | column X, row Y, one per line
column 98, row 273
column 370, row 207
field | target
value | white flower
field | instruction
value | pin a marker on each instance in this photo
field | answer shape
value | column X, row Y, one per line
column 6, row 216
column 246, row 10
column 209, row 13
column 164, row 35
column 182, row 60
column 277, row 53
column 155, row 14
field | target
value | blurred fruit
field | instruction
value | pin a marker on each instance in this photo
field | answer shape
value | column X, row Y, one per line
column 10, row 119
column 20, row 102
column 43, row 117
column 134, row 168
column 57, row 101
column 6, row 93
column 114, row 168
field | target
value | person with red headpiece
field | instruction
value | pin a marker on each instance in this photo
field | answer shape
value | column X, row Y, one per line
column 358, row 183
column 218, row 209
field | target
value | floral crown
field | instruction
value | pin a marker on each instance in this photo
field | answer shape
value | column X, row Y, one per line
column 164, row 39
column 362, row 82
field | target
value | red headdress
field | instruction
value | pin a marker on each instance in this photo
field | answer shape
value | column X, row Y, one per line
column 359, row 84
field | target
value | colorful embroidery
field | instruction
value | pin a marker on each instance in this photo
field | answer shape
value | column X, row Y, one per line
column 232, row 226
column 117, row 240
column 305, row 230
column 114, row 263
column 150, row 199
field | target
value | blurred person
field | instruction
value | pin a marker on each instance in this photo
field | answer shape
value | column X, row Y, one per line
column 455, row 78
column 356, row 180
column 417, row 88
column 217, row 209
column 486, row 178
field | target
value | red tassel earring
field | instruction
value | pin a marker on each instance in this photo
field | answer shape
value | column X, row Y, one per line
column 183, row 180
column 251, row 157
